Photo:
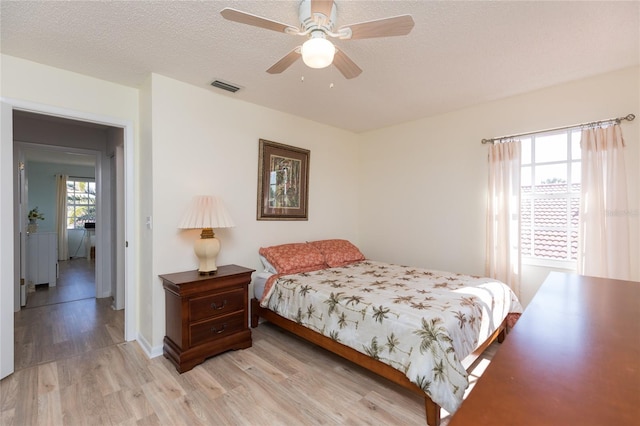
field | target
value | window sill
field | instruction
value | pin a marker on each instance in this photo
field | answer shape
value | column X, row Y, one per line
column 567, row 265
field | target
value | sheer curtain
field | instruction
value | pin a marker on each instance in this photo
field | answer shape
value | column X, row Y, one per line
column 61, row 217
column 603, row 241
column 503, row 214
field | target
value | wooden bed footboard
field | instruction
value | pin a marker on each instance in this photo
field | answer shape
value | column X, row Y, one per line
column 377, row 367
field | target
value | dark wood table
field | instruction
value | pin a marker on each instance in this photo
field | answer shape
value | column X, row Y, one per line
column 573, row 358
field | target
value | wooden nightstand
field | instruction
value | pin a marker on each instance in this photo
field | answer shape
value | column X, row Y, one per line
column 205, row 314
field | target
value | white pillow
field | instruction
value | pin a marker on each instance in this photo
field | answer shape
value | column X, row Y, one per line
column 268, row 267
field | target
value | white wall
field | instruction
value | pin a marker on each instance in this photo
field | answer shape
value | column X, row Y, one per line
column 206, row 143
column 145, row 287
column 423, row 196
column 30, row 81
column 7, row 243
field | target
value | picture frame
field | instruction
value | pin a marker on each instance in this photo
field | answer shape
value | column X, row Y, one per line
column 283, row 182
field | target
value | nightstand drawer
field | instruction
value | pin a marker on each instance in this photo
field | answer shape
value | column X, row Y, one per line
column 216, row 304
column 216, row 328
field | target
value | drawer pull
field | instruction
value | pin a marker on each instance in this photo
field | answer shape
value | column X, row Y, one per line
column 218, row 331
column 214, row 306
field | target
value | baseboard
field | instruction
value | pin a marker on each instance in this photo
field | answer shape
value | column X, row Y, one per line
column 149, row 350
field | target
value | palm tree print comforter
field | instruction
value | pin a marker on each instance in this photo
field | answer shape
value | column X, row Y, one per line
column 421, row 322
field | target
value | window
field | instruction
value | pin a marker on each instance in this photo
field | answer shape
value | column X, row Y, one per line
column 550, row 198
column 81, row 202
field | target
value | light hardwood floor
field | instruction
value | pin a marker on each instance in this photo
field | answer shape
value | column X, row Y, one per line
column 73, row 368
column 76, row 280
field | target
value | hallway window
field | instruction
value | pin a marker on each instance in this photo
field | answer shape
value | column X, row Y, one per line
column 81, row 202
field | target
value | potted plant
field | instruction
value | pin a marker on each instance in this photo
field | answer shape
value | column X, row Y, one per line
column 33, row 216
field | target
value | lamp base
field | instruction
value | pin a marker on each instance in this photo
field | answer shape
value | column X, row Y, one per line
column 207, row 249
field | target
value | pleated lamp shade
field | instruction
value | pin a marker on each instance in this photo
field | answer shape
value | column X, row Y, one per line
column 206, row 212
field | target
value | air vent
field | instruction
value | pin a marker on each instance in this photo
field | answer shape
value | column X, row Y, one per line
column 225, row 86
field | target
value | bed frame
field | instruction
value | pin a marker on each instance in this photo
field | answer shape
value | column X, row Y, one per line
column 377, row 367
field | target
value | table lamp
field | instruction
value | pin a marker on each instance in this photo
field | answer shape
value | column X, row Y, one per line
column 206, row 212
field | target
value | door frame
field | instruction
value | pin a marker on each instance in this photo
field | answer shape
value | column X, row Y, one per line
column 101, row 277
column 9, row 230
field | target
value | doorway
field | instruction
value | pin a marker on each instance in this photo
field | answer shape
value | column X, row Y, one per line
column 80, row 153
column 59, row 183
column 121, row 132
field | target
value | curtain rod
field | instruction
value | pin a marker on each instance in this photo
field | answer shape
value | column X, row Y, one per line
column 628, row 117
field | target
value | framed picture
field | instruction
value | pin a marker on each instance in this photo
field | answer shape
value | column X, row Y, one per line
column 283, row 182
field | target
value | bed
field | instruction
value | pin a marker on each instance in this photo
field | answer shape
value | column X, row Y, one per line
column 419, row 328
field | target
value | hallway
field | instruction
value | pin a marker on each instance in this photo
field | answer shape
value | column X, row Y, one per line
column 76, row 281
column 66, row 320
column 63, row 330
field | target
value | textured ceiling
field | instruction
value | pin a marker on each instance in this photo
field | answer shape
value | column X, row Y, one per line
column 458, row 54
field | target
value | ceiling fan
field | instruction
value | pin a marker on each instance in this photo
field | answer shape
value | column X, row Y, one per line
column 317, row 21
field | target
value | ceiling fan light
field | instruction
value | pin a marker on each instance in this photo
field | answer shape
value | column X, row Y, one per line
column 318, row 52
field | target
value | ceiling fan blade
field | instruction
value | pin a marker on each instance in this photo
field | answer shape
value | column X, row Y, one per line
column 322, row 6
column 345, row 65
column 256, row 21
column 386, row 27
column 285, row 62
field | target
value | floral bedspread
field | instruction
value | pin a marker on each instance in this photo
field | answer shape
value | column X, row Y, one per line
column 421, row 322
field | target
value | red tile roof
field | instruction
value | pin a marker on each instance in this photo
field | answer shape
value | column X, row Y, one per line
column 551, row 240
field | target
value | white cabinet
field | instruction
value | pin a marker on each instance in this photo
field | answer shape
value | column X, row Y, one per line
column 42, row 258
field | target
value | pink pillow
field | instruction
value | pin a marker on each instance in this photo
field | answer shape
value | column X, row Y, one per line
column 338, row 252
column 293, row 258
